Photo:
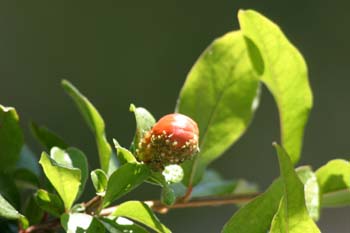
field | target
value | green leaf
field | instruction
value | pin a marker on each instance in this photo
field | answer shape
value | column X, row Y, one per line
column 223, row 72
column 9, row 190
column 66, row 180
column 144, row 122
column 334, row 181
column 283, row 70
column 11, row 138
column 168, row 196
column 46, row 137
column 99, row 180
column 49, row 202
column 7, row 210
column 95, row 123
column 311, row 189
column 25, row 178
column 125, row 179
column 292, row 215
column 213, row 184
column 256, row 216
column 28, row 160
column 123, row 154
column 77, row 222
column 72, row 158
column 32, row 211
column 140, row 212
column 121, row 225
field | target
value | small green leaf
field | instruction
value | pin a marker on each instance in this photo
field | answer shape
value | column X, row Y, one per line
column 256, row 216
column 123, row 180
column 49, row 202
column 95, row 123
column 334, row 181
column 46, row 137
column 292, row 215
column 140, row 212
column 7, row 210
column 11, row 138
column 66, row 180
column 28, row 161
column 121, row 225
column 32, row 211
column 285, row 74
column 25, row 178
column 311, row 189
column 168, row 196
column 144, row 122
column 99, row 180
column 77, row 222
column 123, row 154
column 213, row 184
column 224, row 73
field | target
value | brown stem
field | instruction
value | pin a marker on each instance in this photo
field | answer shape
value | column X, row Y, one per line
column 42, row 227
column 157, row 206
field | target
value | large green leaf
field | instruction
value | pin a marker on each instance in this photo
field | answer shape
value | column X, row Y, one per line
column 140, row 212
column 77, row 222
column 334, row 181
column 72, row 158
column 144, row 122
column 46, row 137
column 49, row 202
column 11, row 138
column 66, row 180
column 283, row 70
column 256, row 216
column 125, row 179
column 220, row 94
column 311, row 190
column 292, row 215
column 95, row 123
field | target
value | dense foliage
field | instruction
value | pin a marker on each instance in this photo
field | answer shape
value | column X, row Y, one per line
column 221, row 94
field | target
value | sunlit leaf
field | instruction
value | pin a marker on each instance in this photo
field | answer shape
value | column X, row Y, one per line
column 99, row 180
column 311, row 190
column 125, row 179
column 140, row 212
column 334, row 181
column 144, row 122
column 220, row 94
column 121, row 225
column 283, row 70
column 292, row 215
column 66, row 180
column 123, row 154
column 77, row 222
column 256, row 216
column 95, row 123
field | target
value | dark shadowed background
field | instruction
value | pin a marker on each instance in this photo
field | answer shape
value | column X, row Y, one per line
column 122, row 52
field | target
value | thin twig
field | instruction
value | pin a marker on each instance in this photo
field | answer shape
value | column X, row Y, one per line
column 159, row 207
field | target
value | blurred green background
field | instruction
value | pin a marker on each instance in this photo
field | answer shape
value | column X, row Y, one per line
column 122, row 52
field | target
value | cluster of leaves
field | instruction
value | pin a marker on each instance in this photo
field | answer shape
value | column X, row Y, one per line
column 229, row 72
